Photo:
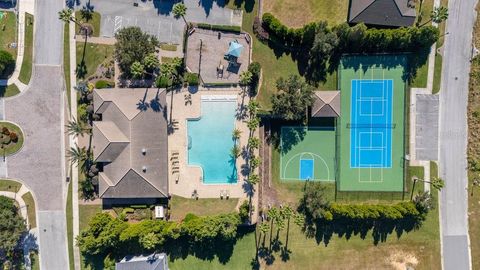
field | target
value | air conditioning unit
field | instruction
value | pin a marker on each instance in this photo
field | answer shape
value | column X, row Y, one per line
column 159, row 212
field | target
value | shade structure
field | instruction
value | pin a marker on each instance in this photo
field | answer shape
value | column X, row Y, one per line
column 235, row 49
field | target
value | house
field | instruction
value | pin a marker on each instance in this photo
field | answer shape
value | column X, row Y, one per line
column 130, row 145
column 326, row 104
column 388, row 13
column 151, row 262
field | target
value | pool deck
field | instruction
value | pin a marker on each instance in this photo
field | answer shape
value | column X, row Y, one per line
column 189, row 177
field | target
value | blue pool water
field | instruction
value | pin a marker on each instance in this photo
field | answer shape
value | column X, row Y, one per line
column 210, row 142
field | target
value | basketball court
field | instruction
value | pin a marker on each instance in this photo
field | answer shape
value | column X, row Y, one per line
column 307, row 153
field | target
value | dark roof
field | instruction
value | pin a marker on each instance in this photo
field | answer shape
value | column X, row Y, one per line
column 382, row 12
column 152, row 262
column 131, row 142
column 326, row 104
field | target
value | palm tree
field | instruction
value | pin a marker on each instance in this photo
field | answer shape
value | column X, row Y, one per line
column 137, row 70
column 253, row 107
column 235, row 151
column 438, row 15
column 437, row 183
column 264, row 227
column 180, row 10
column 66, row 15
column 287, row 214
column 252, row 124
column 236, row 134
column 273, row 216
column 75, row 128
column 253, row 179
column 253, row 143
column 254, row 162
column 77, row 155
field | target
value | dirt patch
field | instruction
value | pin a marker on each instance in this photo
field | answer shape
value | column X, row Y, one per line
column 401, row 260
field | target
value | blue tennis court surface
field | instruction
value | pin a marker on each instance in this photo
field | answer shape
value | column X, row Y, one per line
column 371, row 124
column 306, row 169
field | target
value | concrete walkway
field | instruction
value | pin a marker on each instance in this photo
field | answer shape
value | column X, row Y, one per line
column 413, row 102
column 74, row 139
column 29, row 240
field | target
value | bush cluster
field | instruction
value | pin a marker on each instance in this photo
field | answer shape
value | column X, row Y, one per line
column 7, row 64
column 100, row 84
column 106, row 234
column 259, row 31
column 226, row 28
column 192, row 79
column 255, row 69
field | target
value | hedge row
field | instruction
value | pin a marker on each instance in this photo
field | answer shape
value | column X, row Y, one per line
column 358, row 38
column 227, row 28
column 361, row 212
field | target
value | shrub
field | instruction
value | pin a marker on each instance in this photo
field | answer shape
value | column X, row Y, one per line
column 13, row 136
column 244, row 212
column 259, row 31
column 7, row 64
column 192, row 79
column 163, row 82
column 128, row 210
column 5, row 131
column 82, row 113
column 104, row 84
column 226, row 28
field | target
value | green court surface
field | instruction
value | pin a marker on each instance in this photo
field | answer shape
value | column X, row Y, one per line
column 384, row 144
column 307, row 153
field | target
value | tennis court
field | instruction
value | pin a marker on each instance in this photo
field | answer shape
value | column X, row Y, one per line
column 371, row 127
column 370, row 132
column 307, row 153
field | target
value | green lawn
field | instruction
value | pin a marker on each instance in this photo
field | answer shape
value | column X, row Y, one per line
column 86, row 212
column 66, row 60
column 28, row 198
column 8, row 32
column 420, row 79
column 34, row 260
column 9, row 91
column 422, row 245
column 9, row 185
column 12, row 147
column 26, row 70
column 93, row 56
column 295, row 14
column 202, row 207
column 168, row 47
column 437, row 74
column 94, row 22
column 69, row 214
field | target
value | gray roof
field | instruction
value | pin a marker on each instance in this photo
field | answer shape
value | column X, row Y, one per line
column 133, row 122
column 152, row 262
column 326, row 104
column 382, row 12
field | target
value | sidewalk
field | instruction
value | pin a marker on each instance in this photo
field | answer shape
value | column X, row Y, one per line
column 29, row 240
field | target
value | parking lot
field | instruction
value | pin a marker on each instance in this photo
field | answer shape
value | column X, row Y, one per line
column 155, row 17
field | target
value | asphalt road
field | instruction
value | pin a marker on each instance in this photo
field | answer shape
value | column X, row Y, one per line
column 39, row 111
column 453, row 134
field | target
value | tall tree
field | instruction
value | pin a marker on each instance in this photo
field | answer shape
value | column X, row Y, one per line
column 180, row 10
column 287, row 213
column 137, row 70
column 77, row 154
column 66, row 15
column 133, row 45
column 438, row 15
column 293, row 98
column 313, row 204
column 12, row 225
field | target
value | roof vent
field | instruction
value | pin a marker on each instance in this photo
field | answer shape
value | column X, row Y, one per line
column 144, row 168
column 144, row 151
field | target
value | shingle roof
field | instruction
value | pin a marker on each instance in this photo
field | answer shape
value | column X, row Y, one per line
column 382, row 12
column 152, row 262
column 131, row 142
column 326, row 104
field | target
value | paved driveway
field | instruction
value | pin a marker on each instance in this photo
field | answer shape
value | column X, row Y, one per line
column 453, row 134
column 156, row 18
column 39, row 112
column 426, row 129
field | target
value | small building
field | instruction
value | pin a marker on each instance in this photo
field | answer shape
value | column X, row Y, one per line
column 387, row 13
column 151, row 262
column 326, row 104
column 130, row 145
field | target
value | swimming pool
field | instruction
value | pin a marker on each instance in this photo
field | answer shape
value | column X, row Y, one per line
column 210, row 139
